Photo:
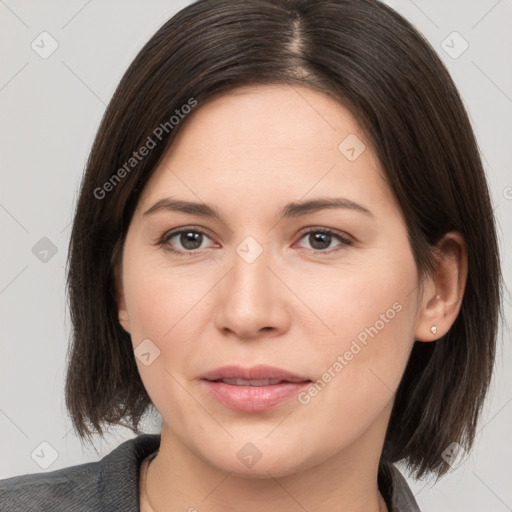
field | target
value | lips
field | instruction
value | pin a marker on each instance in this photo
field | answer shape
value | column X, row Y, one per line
column 252, row 389
column 244, row 382
column 253, row 375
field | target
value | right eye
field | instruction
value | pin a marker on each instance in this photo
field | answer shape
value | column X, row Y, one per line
column 190, row 239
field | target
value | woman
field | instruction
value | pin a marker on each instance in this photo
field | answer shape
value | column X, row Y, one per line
column 283, row 243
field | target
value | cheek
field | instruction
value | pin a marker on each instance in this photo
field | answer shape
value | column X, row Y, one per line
column 372, row 314
column 160, row 302
column 374, row 298
column 166, row 305
column 159, row 298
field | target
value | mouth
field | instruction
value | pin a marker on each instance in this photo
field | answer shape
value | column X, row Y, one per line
column 259, row 375
column 245, row 382
column 253, row 389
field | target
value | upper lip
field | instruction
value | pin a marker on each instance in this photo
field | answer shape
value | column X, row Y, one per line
column 258, row 372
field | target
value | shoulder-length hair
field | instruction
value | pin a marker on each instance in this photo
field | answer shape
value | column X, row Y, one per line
column 375, row 63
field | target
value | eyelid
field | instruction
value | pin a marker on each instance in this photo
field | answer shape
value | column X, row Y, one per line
column 324, row 229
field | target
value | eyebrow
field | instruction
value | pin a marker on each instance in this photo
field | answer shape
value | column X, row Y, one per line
column 293, row 209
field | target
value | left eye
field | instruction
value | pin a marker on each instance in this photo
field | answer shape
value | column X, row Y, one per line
column 320, row 239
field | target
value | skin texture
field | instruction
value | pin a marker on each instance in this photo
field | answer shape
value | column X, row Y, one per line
column 248, row 154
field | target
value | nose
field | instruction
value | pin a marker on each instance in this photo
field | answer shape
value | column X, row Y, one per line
column 251, row 300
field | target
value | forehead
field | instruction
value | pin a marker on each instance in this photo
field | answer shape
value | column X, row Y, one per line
column 263, row 142
column 282, row 116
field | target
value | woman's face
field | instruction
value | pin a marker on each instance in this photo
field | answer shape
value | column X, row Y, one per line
column 264, row 284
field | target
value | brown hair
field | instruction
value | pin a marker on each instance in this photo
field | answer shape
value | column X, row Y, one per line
column 375, row 63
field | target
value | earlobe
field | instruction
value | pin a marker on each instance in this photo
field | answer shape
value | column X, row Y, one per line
column 121, row 302
column 124, row 320
column 442, row 296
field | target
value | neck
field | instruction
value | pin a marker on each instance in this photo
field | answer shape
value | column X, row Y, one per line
column 177, row 480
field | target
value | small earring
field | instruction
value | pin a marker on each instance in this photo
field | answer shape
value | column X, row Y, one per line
column 433, row 329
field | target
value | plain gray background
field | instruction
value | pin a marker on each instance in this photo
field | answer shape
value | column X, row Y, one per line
column 51, row 108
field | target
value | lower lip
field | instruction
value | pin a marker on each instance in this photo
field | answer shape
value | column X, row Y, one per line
column 253, row 398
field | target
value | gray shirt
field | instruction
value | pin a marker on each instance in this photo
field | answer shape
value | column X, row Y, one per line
column 112, row 484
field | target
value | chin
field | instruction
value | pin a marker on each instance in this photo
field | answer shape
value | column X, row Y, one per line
column 251, row 463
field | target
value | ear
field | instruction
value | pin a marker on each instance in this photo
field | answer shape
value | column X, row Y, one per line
column 124, row 319
column 444, row 289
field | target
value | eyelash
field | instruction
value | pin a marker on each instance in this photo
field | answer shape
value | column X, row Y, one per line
column 326, row 231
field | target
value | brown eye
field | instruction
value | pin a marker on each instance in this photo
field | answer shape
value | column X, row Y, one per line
column 184, row 240
column 321, row 239
column 190, row 239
